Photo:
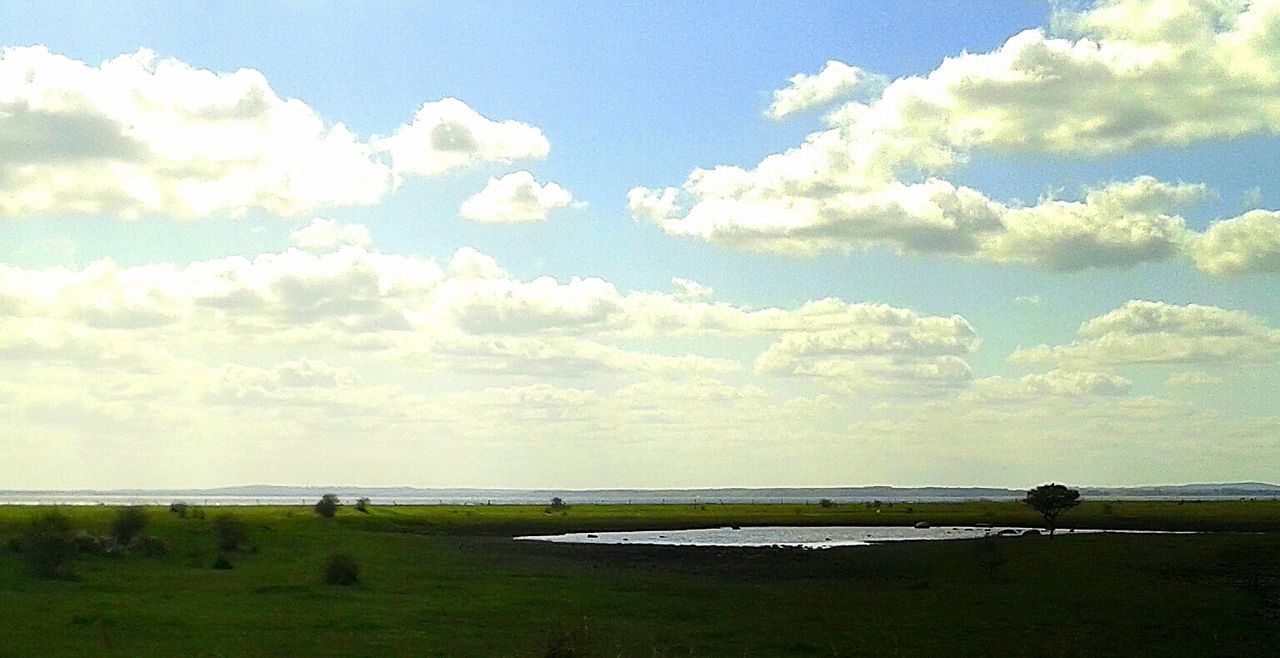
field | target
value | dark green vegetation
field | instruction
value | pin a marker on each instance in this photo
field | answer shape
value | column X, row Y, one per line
column 448, row 581
column 1051, row 500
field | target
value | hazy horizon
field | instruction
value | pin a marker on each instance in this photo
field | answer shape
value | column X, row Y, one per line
column 626, row 245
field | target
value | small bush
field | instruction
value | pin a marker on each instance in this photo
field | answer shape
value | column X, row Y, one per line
column 328, row 506
column 231, row 532
column 341, row 569
column 827, row 503
column 150, row 546
column 180, row 509
column 362, row 505
column 101, row 545
column 128, row 524
column 47, row 545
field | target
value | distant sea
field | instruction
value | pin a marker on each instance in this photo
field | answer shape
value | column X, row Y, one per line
column 285, row 495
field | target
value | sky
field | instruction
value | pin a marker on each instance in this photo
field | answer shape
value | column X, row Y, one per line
column 618, row 245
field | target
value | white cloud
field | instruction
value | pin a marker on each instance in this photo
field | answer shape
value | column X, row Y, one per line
column 835, row 81
column 1158, row 333
column 690, row 290
column 141, row 135
column 899, row 351
column 323, row 235
column 470, row 317
column 145, row 136
column 1055, row 383
column 1242, row 245
column 447, row 135
column 1192, row 72
column 516, row 197
column 1120, row 224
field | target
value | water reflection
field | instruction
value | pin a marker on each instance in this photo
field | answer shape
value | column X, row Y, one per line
column 802, row 536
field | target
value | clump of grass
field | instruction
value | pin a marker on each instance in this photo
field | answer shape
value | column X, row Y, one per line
column 573, row 640
column 231, row 532
column 48, row 546
column 150, row 546
column 128, row 524
column 341, row 569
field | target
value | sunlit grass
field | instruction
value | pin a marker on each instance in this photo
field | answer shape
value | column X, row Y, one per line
column 449, row 581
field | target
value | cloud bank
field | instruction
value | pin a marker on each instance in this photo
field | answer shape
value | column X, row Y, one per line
column 1111, row 80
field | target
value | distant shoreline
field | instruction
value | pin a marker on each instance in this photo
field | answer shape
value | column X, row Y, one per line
column 273, row 495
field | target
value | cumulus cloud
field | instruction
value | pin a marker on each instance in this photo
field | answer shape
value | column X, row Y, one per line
column 835, row 81
column 896, row 349
column 326, row 235
column 516, row 197
column 469, row 316
column 1097, row 86
column 689, row 289
column 447, row 135
column 1242, row 245
column 1142, row 332
column 143, row 135
column 1055, row 383
column 1122, row 223
column 1119, row 224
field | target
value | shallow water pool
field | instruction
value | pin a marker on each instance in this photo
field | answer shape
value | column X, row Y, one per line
column 798, row 536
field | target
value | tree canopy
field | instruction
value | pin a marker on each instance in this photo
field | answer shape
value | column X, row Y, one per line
column 328, row 506
column 1051, row 500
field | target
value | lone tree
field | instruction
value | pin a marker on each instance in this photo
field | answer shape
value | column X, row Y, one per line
column 328, row 506
column 1050, row 500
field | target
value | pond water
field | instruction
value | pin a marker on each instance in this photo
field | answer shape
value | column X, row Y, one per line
column 800, row 536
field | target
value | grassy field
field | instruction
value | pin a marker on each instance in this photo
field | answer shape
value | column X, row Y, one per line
column 449, row 581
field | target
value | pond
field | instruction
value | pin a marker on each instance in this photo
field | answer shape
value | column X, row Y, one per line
column 802, row 536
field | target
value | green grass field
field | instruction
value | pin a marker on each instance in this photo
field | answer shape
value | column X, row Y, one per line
column 448, row 581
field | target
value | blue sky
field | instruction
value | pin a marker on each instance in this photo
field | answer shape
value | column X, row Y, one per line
column 922, row 281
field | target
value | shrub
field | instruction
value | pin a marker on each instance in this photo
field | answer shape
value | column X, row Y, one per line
column 128, row 524
column 105, row 545
column 341, row 569
column 47, row 545
column 827, row 503
column 180, row 509
column 328, row 506
column 150, row 546
column 362, row 505
column 231, row 532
